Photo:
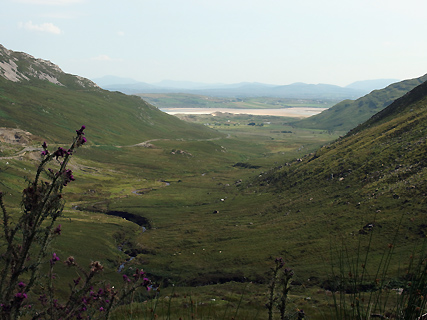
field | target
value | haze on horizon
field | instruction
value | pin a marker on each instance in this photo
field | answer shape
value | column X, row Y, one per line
column 224, row 41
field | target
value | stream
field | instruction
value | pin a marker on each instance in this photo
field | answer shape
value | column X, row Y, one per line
column 140, row 221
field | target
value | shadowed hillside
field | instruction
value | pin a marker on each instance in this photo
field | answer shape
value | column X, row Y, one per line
column 385, row 156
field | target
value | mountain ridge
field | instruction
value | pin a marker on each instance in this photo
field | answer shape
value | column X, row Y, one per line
column 239, row 90
column 348, row 114
column 373, row 84
column 38, row 97
column 21, row 66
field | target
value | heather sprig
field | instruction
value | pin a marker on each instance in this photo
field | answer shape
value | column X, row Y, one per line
column 27, row 241
column 279, row 288
column 27, row 246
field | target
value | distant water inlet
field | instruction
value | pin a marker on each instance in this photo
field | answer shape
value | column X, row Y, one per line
column 295, row 112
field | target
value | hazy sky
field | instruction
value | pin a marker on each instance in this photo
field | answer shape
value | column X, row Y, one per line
column 227, row 41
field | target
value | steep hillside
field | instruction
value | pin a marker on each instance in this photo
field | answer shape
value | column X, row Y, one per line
column 36, row 96
column 383, row 158
column 350, row 113
column 22, row 67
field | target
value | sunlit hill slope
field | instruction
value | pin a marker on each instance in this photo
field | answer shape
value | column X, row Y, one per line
column 35, row 95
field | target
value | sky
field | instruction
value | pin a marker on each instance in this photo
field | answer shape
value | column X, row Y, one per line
column 223, row 41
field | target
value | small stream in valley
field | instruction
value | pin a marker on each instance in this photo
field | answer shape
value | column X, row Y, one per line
column 144, row 223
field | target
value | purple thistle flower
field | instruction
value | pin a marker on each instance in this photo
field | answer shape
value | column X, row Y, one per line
column 68, row 176
column 126, row 278
column 280, row 263
column 146, row 283
column 43, row 299
column 60, row 152
column 45, row 151
column 54, row 259
column 101, row 309
column 288, row 272
column 21, row 284
column 21, row 295
column 57, row 230
column 81, row 140
column 80, row 132
column 76, row 281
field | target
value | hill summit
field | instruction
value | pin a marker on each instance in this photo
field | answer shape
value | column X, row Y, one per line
column 20, row 66
column 38, row 97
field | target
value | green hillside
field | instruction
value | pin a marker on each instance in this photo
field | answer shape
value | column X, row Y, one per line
column 376, row 172
column 53, row 112
column 35, row 95
column 349, row 113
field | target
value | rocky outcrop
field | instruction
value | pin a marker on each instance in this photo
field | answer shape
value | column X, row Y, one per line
column 20, row 66
column 15, row 136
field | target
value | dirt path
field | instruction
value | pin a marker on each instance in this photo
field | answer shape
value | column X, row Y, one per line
column 22, row 153
column 145, row 144
column 148, row 144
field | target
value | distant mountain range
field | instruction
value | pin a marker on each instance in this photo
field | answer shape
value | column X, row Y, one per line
column 34, row 89
column 245, row 89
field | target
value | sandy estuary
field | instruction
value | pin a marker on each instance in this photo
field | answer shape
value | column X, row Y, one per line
column 296, row 112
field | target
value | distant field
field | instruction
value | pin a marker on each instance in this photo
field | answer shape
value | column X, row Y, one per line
column 183, row 100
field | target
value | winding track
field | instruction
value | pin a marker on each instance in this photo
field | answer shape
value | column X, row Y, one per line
column 141, row 144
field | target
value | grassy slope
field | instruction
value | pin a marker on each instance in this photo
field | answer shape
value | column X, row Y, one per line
column 375, row 172
column 54, row 112
column 348, row 113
